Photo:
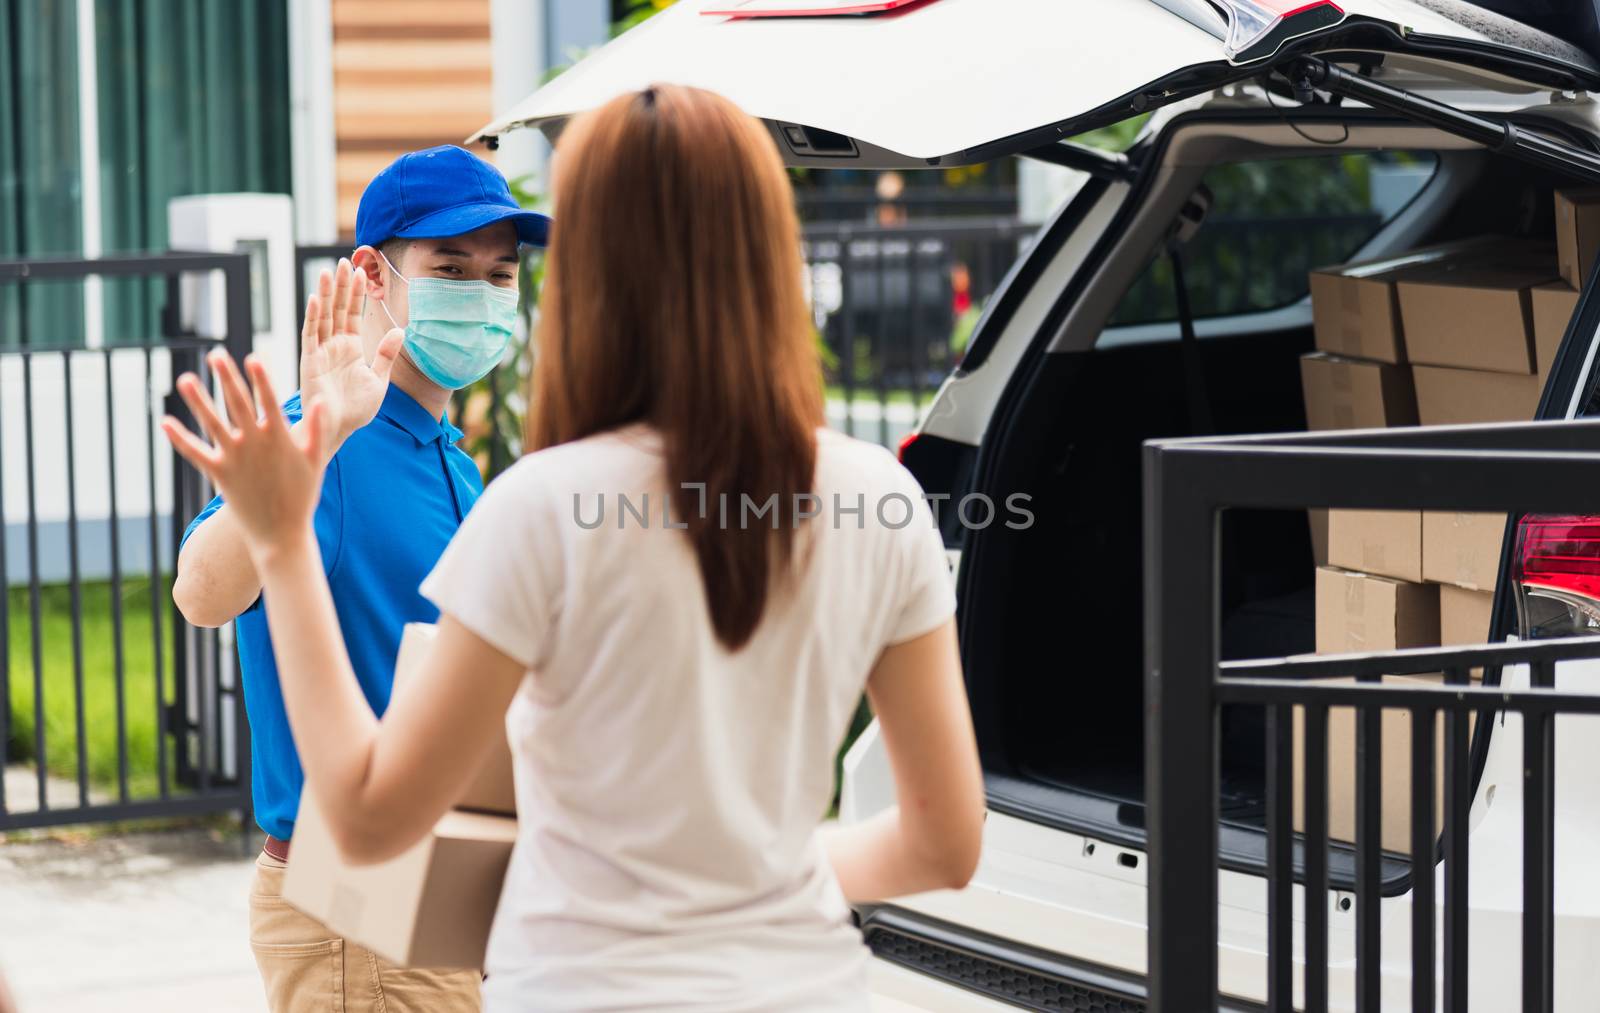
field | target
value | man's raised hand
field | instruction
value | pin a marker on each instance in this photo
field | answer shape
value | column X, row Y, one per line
column 334, row 371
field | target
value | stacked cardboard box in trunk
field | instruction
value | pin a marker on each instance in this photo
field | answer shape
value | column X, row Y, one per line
column 1357, row 613
column 1395, row 752
column 1461, row 333
column 1553, row 305
column 1355, row 312
column 1577, row 233
column 1459, row 561
column 1470, row 334
column 1385, row 543
column 1358, row 377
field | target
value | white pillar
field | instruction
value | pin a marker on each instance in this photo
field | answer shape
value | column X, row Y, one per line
column 517, row 48
column 527, row 38
column 316, row 199
column 573, row 26
column 1043, row 188
column 89, row 170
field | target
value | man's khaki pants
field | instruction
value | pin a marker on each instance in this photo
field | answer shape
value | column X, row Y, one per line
column 308, row 969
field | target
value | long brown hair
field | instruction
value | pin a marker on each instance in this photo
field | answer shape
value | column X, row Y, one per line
column 674, row 296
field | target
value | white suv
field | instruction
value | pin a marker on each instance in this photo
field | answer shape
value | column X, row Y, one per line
column 1082, row 355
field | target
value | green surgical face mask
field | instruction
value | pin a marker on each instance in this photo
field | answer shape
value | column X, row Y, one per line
column 457, row 331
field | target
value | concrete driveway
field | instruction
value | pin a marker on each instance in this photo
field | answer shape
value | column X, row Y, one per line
column 132, row 922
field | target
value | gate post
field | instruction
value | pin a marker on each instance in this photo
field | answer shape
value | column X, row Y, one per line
column 1181, row 775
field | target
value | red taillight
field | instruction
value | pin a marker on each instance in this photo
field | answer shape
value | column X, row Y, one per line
column 905, row 444
column 1560, row 552
column 1557, row 575
column 1259, row 28
column 802, row 8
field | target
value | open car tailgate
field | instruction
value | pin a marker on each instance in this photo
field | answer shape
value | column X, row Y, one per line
column 943, row 82
column 938, row 81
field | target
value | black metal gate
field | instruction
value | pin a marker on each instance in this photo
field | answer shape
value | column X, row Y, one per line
column 152, row 706
column 1544, row 467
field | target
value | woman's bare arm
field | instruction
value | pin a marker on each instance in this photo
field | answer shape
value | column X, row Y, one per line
column 932, row 838
column 381, row 785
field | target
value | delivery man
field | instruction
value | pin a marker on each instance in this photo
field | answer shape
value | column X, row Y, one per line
column 426, row 305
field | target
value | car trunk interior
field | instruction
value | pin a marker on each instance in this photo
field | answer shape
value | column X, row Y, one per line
column 1090, row 488
column 1056, row 671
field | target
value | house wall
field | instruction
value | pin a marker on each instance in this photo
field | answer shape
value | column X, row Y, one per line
column 368, row 79
column 407, row 74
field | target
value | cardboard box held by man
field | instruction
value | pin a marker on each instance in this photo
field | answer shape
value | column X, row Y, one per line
column 432, row 905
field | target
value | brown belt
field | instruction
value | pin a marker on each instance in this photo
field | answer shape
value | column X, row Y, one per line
column 277, row 848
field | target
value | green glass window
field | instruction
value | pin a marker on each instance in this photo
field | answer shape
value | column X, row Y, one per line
column 193, row 98
column 190, row 96
column 40, row 185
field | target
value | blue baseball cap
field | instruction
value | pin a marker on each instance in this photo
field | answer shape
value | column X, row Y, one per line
column 440, row 192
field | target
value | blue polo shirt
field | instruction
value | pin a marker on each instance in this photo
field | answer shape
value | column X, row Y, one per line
column 392, row 498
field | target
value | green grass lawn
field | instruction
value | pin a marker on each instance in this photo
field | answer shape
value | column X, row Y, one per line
column 99, row 684
column 99, row 681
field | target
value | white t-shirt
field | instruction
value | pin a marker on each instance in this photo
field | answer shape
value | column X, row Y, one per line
column 669, row 791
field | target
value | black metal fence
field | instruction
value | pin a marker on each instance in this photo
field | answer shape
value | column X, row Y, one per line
column 171, row 687
column 895, row 304
column 864, row 205
column 318, row 254
column 892, row 306
column 1515, row 468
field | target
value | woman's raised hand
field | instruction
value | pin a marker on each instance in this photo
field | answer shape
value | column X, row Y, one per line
column 270, row 476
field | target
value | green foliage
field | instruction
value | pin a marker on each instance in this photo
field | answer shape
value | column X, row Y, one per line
column 1306, row 185
column 491, row 412
column 858, row 724
column 961, row 333
column 1116, row 137
column 637, row 12
column 1271, row 222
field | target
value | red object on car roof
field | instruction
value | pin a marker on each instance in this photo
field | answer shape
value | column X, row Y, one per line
column 804, row 8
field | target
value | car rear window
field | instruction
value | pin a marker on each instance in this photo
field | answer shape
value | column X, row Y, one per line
column 1272, row 221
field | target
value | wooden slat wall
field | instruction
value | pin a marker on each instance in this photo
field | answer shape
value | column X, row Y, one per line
column 407, row 74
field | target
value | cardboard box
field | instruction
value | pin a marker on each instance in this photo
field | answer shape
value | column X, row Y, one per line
column 1385, row 543
column 1356, row 316
column 1464, row 617
column 1473, row 313
column 1577, row 233
column 430, row 906
column 1553, row 306
column 491, row 791
column 1319, row 535
column 1462, row 549
column 1394, row 765
column 1353, row 307
column 1355, row 393
column 1458, row 396
column 1357, row 612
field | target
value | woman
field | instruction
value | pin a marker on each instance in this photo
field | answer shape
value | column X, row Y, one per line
column 679, row 597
